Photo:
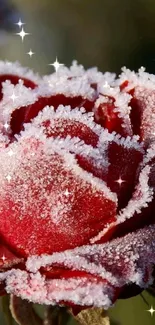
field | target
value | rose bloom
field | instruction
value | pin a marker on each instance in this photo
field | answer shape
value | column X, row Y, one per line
column 77, row 185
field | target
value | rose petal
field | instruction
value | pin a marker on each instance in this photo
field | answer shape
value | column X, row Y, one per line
column 120, row 261
column 76, row 123
column 109, row 119
column 66, row 121
column 137, row 213
column 124, row 163
column 26, row 113
column 7, row 258
column 37, row 289
column 97, row 273
column 14, row 80
column 112, row 110
column 141, row 87
column 74, row 203
column 124, row 157
column 143, row 112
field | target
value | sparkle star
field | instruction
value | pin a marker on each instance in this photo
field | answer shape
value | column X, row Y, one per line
column 151, row 310
column 56, row 64
column 13, row 97
column 22, row 34
column 8, row 177
column 30, row 53
column 120, row 181
column 20, row 24
column 66, row 192
column 6, row 125
column 3, row 258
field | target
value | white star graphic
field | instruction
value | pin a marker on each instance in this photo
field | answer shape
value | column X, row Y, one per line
column 8, row 177
column 120, row 181
column 22, row 34
column 151, row 310
column 20, row 24
column 13, row 97
column 30, row 53
column 6, row 125
column 66, row 192
column 56, row 64
column 3, row 258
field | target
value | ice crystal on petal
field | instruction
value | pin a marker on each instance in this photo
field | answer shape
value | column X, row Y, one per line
column 142, row 85
column 66, row 112
column 35, row 288
column 41, row 190
column 146, row 100
column 142, row 195
column 140, row 79
column 9, row 68
column 128, row 142
column 127, row 258
column 92, row 76
column 121, row 104
column 117, row 261
column 68, row 87
column 24, row 97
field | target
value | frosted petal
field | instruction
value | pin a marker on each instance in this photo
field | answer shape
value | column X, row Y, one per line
column 43, row 184
column 123, row 260
column 9, row 68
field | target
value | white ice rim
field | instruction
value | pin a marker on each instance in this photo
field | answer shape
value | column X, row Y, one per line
column 92, row 75
column 136, row 79
column 133, row 206
column 51, row 292
column 86, row 118
column 15, row 68
column 75, row 259
column 63, row 146
column 121, row 102
column 32, row 285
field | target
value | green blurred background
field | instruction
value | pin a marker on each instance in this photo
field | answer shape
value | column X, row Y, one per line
column 104, row 33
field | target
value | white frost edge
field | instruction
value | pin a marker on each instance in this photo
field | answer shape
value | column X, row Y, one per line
column 121, row 103
column 76, row 259
column 35, row 288
column 87, row 118
column 139, row 79
column 14, row 68
column 133, row 205
column 23, row 97
column 62, row 146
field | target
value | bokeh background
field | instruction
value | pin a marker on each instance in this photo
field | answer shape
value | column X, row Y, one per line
column 104, row 33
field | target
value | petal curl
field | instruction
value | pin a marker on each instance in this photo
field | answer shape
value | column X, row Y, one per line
column 105, row 268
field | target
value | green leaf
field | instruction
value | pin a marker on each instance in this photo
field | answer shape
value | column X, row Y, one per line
column 5, row 303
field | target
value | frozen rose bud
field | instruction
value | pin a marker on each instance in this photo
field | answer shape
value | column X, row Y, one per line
column 77, row 175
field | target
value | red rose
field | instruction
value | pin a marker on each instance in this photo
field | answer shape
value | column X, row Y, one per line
column 77, row 175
